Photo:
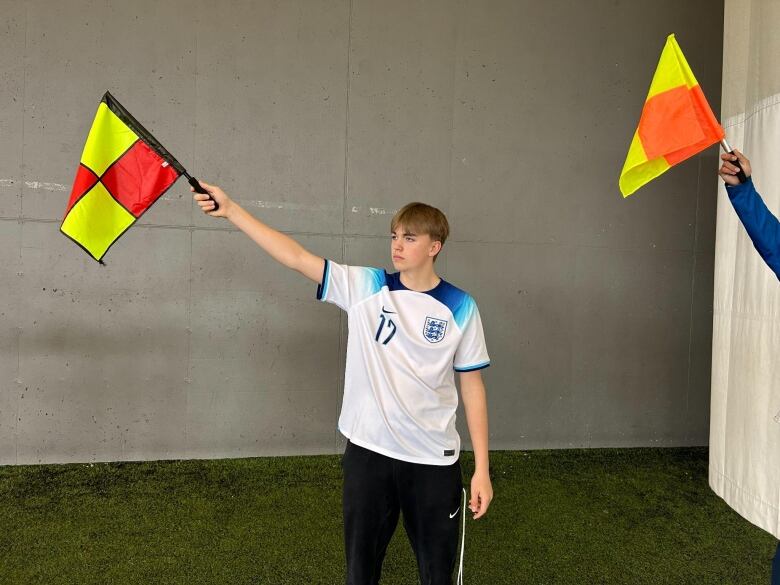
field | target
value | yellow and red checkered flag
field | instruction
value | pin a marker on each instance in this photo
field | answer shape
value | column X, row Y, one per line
column 123, row 171
column 676, row 122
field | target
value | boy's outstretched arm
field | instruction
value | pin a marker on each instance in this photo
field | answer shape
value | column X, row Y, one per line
column 472, row 391
column 279, row 246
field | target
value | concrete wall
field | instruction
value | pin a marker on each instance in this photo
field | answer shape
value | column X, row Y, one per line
column 323, row 117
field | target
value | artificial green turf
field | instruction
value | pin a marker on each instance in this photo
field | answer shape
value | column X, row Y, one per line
column 623, row 516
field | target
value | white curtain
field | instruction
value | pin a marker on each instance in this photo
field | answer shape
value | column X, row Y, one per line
column 745, row 414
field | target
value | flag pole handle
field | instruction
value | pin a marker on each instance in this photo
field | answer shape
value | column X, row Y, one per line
column 199, row 189
column 741, row 174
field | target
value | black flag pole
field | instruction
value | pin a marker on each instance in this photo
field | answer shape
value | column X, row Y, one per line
column 199, row 189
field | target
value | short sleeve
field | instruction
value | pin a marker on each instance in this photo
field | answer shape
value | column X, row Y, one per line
column 472, row 352
column 345, row 286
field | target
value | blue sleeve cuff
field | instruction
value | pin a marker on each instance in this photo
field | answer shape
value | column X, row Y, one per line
column 322, row 288
column 735, row 190
column 473, row 368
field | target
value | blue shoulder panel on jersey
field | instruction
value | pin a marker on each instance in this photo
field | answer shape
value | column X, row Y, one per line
column 458, row 301
column 464, row 310
column 322, row 288
column 376, row 280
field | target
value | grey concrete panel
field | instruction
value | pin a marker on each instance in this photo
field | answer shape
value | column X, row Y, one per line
column 12, row 78
column 228, row 421
column 400, row 109
column 103, row 349
column 631, row 328
column 369, row 251
column 259, row 334
column 706, row 214
column 666, row 206
column 697, row 427
column 271, row 108
column 10, row 310
column 700, row 366
column 149, row 67
column 518, row 137
column 527, row 313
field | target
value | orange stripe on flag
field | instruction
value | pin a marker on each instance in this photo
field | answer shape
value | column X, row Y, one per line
column 711, row 129
column 675, row 124
column 669, row 123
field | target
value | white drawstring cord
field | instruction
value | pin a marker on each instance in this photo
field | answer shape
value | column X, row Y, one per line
column 462, row 540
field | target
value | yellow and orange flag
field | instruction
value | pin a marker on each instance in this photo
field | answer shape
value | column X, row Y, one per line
column 676, row 122
column 123, row 171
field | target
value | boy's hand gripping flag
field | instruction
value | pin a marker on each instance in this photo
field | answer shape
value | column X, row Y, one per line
column 123, row 171
column 676, row 122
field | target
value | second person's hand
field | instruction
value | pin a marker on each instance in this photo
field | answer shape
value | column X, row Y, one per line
column 728, row 170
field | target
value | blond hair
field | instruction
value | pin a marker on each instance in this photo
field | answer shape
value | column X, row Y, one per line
column 421, row 218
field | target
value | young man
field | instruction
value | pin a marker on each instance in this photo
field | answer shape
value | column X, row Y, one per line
column 408, row 332
column 764, row 231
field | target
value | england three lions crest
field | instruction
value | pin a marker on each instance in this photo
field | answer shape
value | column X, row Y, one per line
column 434, row 329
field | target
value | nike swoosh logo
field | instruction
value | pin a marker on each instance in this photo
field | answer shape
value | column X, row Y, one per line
column 455, row 512
column 386, row 311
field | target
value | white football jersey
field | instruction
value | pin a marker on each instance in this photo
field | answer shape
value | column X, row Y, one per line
column 403, row 350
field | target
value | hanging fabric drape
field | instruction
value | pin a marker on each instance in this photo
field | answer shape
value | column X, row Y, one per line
column 745, row 412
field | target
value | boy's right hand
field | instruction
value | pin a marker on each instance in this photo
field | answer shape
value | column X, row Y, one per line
column 728, row 170
column 207, row 205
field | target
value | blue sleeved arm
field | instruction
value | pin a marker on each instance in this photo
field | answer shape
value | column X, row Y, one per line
column 762, row 227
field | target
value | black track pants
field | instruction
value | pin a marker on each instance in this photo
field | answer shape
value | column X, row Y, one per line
column 376, row 489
